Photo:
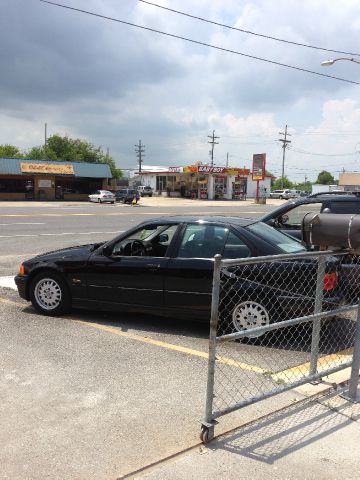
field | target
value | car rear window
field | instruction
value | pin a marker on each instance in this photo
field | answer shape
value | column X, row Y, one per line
column 285, row 243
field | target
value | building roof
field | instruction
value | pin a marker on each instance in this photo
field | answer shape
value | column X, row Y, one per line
column 12, row 166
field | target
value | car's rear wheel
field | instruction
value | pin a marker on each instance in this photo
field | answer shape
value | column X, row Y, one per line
column 248, row 315
column 49, row 294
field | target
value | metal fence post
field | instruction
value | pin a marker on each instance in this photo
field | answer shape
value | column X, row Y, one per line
column 353, row 393
column 207, row 426
column 317, row 309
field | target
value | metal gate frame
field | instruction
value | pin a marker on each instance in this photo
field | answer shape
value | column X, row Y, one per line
column 353, row 394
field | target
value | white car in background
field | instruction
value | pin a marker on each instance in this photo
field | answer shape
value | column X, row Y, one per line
column 283, row 194
column 102, row 196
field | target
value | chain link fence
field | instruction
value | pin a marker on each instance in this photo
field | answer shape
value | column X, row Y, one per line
column 279, row 322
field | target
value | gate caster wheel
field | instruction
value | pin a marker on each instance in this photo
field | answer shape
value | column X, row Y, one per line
column 204, row 435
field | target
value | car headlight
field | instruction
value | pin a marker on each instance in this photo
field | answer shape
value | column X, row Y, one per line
column 22, row 270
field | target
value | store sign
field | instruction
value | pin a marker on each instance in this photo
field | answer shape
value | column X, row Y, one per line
column 175, row 169
column 223, row 170
column 258, row 170
column 47, row 168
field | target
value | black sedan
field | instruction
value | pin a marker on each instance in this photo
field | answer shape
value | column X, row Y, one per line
column 166, row 266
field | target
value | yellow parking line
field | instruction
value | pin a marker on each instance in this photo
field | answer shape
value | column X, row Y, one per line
column 283, row 376
column 170, row 346
column 158, row 343
column 299, row 371
column 11, row 302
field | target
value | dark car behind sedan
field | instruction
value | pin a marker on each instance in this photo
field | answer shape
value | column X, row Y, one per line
column 165, row 265
column 125, row 195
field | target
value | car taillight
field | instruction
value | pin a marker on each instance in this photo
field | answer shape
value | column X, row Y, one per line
column 21, row 270
column 330, row 281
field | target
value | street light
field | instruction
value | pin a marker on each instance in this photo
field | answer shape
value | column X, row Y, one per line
column 327, row 63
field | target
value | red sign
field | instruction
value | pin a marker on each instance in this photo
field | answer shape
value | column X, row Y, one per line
column 258, row 170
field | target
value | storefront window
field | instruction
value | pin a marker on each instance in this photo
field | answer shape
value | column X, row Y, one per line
column 12, row 185
column 161, row 183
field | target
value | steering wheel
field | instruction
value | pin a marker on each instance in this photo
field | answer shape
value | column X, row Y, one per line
column 138, row 248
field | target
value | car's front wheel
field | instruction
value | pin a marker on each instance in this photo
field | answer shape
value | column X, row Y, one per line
column 49, row 294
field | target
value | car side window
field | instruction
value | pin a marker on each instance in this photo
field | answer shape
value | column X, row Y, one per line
column 345, row 207
column 293, row 218
column 235, row 247
column 203, row 241
column 151, row 240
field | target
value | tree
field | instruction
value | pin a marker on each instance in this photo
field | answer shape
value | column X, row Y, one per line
column 325, row 178
column 73, row 150
column 278, row 184
column 9, row 151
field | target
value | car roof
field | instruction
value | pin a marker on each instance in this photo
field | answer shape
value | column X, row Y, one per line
column 235, row 221
column 315, row 198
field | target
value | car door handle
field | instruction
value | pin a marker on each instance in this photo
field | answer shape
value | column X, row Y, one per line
column 153, row 266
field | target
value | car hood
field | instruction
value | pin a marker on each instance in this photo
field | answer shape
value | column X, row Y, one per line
column 79, row 251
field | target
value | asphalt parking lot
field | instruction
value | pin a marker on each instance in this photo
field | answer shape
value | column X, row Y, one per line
column 101, row 395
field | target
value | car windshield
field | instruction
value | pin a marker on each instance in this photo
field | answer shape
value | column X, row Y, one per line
column 285, row 243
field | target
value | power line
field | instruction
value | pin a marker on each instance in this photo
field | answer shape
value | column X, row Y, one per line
column 324, row 154
column 199, row 43
column 246, row 31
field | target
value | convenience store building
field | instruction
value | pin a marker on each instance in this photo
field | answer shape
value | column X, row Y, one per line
column 24, row 179
column 202, row 181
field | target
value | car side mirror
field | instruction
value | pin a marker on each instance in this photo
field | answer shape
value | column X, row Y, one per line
column 271, row 222
column 107, row 250
column 163, row 237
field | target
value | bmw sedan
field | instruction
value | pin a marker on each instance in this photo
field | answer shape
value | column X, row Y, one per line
column 165, row 265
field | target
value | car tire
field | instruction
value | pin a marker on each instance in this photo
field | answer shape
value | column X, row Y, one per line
column 49, row 294
column 247, row 314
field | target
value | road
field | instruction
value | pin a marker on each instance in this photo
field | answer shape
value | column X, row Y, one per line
column 27, row 229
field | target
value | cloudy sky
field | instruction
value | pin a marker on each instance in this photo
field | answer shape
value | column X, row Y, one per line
column 113, row 84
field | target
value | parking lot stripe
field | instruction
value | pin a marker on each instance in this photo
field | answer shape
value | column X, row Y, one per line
column 299, row 371
column 283, row 375
column 171, row 346
column 11, row 302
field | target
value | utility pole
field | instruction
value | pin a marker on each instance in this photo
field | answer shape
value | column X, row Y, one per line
column 139, row 150
column 284, row 144
column 305, row 183
column 45, row 145
column 212, row 141
column 227, row 159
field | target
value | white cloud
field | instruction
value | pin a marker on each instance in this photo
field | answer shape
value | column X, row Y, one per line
column 113, row 84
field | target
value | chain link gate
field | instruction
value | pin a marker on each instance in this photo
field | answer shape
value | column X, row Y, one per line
column 278, row 322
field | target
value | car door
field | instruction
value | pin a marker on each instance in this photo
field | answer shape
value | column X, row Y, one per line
column 189, row 274
column 123, row 276
column 290, row 221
